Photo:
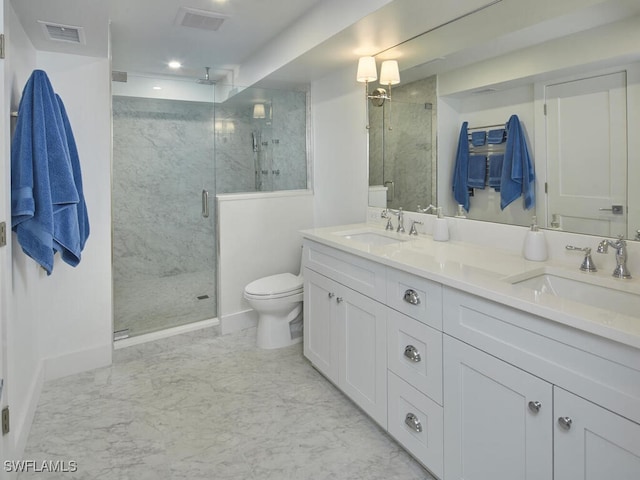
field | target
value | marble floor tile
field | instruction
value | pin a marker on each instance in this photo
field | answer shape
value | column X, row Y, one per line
column 205, row 406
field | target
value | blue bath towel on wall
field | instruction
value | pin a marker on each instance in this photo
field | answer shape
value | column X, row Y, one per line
column 461, row 169
column 518, row 173
column 43, row 187
column 71, row 225
column 495, row 170
column 478, row 138
column 477, row 171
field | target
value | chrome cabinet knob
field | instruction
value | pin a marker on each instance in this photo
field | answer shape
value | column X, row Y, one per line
column 413, row 423
column 565, row 422
column 535, row 406
column 411, row 296
column 339, row 299
column 331, row 294
column 412, row 353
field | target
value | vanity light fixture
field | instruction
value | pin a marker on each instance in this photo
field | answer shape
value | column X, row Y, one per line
column 389, row 75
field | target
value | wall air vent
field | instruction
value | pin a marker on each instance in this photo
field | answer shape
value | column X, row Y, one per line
column 117, row 76
column 63, row 33
column 203, row 19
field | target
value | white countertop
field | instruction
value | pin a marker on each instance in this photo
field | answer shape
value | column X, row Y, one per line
column 485, row 271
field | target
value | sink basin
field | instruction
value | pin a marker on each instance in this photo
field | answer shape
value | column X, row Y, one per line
column 371, row 238
column 587, row 291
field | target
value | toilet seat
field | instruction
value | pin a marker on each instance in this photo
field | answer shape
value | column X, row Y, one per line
column 275, row 286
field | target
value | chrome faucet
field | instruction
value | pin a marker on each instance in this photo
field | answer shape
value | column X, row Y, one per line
column 400, row 215
column 385, row 214
column 621, row 270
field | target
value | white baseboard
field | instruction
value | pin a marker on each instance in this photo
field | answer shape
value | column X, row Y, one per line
column 238, row 321
column 166, row 333
column 77, row 362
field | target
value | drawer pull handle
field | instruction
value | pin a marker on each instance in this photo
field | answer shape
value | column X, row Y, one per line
column 411, row 296
column 565, row 422
column 412, row 353
column 535, row 406
column 413, row 423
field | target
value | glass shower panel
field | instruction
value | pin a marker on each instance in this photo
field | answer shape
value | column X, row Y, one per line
column 164, row 254
column 400, row 153
column 266, row 148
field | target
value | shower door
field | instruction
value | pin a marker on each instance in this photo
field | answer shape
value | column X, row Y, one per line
column 164, row 253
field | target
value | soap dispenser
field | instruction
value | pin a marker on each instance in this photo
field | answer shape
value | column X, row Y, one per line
column 535, row 245
column 440, row 227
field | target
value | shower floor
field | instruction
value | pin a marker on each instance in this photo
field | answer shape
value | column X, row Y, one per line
column 150, row 304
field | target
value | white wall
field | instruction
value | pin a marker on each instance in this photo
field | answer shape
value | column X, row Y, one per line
column 259, row 235
column 340, row 149
column 60, row 324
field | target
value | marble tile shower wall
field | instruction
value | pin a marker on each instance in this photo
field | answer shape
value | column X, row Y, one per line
column 163, row 156
column 405, row 154
column 281, row 160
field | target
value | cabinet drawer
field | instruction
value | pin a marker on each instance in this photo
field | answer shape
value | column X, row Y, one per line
column 415, row 296
column 416, row 422
column 415, row 354
column 604, row 371
column 368, row 278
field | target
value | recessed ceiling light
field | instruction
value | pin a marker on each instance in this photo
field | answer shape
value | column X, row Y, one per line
column 174, row 64
column 157, row 88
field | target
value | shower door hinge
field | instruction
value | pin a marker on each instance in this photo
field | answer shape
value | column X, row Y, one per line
column 3, row 234
column 1, row 45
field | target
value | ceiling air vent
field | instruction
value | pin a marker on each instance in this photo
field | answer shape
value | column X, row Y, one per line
column 63, row 33
column 203, row 19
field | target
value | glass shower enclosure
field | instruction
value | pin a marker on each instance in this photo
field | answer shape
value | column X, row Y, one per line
column 175, row 146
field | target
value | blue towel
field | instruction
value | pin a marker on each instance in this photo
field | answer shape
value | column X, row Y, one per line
column 461, row 168
column 495, row 170
column 517, row 168
column 42, row 180
column 477, row 172
column 71, row 224
column 478, row 138
column 495, row 136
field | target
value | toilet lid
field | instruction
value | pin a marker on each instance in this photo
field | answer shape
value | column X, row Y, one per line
column 275, row 285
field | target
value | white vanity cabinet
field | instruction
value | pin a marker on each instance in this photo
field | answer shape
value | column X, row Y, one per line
column 509, row 412
column 498, row 418
column 344, row 330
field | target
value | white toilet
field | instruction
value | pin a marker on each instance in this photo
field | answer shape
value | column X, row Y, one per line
column 278, row 301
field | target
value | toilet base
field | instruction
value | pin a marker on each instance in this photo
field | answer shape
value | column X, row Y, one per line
column 275, row 331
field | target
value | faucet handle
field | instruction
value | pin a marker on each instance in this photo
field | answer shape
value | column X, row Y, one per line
column 412, row 230
column 587, row 264
column 426, row 210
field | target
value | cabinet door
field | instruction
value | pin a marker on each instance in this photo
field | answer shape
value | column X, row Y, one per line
column 320, row 335
column 498, row 418
column 363, row 352
column 595, row 444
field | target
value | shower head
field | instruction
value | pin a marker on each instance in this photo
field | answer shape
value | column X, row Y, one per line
column 206, row 80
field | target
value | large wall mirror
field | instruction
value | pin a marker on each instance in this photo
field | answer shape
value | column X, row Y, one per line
column 579, row 107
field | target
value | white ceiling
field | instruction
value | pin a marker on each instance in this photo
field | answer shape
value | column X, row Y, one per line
column 144, row 37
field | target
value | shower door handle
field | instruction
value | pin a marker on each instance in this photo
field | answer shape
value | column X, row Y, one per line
column 205, row 203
